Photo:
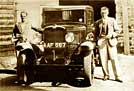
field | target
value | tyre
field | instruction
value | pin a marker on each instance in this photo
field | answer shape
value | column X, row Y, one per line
column 89, row 67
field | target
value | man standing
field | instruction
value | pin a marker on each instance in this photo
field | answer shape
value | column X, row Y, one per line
column 106, row 30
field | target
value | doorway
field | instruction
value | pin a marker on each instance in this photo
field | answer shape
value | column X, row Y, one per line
column 96, row 4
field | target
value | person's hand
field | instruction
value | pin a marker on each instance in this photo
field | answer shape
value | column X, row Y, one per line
column 108, row 36
column 14, row 39
column 114, row 35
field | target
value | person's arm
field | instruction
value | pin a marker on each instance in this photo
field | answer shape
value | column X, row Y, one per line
column 117, row 30
column 37, row 30
column 15, row 33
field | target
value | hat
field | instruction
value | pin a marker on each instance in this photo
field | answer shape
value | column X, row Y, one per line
column 113, row 42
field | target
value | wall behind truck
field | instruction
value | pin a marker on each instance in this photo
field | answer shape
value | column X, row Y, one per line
column 125, row 18
column 7, row 20
column 33, row 9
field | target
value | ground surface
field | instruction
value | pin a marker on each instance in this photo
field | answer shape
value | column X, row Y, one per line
column 7, row 81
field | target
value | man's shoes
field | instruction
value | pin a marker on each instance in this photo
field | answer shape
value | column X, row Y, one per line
column 106, row 78
column 118, row 80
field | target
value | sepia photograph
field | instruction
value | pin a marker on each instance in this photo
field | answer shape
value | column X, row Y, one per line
column 66, row 45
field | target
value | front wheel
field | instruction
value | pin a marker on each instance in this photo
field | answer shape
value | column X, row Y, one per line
column 89, row 67
column 80, row 81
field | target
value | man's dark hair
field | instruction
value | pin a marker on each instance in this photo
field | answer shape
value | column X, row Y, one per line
column 23, row 13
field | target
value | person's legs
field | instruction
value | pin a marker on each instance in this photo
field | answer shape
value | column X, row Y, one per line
column 114, row 61
column 20, row 71
column 104, row 61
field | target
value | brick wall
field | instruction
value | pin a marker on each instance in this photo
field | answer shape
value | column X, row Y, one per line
column 126, row 41
column 7, row 20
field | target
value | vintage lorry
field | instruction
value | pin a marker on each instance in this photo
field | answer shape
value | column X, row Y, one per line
column 67, row 43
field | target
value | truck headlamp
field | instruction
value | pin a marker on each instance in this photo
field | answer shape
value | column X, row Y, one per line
column 69, row 37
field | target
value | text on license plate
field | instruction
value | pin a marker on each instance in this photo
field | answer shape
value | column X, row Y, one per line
column 57, row 45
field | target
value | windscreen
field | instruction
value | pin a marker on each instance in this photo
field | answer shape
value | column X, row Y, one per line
column 64, row 16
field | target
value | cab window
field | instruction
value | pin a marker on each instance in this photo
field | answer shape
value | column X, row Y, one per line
column 63, row 16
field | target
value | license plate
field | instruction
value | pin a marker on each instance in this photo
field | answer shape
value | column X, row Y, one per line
column 57, row 45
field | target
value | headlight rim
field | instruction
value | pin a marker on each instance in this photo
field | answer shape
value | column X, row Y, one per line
column 69, row 37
